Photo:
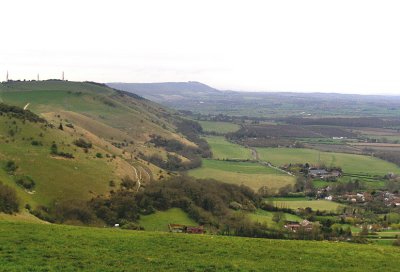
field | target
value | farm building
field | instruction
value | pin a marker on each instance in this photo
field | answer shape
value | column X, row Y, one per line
column 295, row 226
column 177, row 228
column 323, row 173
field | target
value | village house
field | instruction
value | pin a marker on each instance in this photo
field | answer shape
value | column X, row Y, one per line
column 295, row 226
column 178, row 228
column 323, row 173
column 390, row 199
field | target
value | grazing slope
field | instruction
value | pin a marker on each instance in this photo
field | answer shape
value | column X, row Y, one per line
column 117, row 124
column 53, row 247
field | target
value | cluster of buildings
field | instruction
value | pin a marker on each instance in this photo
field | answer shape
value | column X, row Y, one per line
column 324, row 173
column 178, row 228
column 304, row 225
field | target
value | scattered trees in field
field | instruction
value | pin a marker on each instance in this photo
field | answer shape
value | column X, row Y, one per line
column 83, row 143
column 9, row 201
column 26, row 182
column 10, row 167
column 54, row 151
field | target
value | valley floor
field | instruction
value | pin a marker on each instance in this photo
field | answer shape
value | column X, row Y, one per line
column 39, row 247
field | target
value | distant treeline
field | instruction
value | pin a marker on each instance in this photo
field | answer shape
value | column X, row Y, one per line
column 390, row 156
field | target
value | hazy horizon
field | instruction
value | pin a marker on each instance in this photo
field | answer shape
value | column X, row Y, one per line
column 347, row 47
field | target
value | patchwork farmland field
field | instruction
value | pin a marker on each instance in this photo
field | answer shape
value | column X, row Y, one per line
column 159, row 220
column 350, row 163
column 294, row 131
column 296, row 203
column 219, row 127
column 262, row 216
column 222, row 149
column 247, row 173
column 34, row 247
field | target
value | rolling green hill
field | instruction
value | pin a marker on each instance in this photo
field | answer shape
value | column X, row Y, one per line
column 118, row 126
column 27, row 246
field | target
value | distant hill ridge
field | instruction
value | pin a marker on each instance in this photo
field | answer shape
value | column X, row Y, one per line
column 201, row 98
column 193, row 86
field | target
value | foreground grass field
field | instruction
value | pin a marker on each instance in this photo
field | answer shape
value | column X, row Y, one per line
column 220, row 127
column 159, row 220
column 35, row 247
column 253, row 175
column 222, row 149
column 350, row 163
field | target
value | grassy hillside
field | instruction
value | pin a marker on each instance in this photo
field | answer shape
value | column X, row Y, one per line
column 55, row 177
column 222, row 149
column 64, row 248
column 118, row 125
column 136, row 118
column 251, row 174
column 350, row 163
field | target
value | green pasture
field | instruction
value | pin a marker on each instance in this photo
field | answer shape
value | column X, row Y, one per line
column 219, row 127
column 250, row 174
column 159, row 220
column 294, row 203
column 262, row 216
column 350, row 163
column 222, row 149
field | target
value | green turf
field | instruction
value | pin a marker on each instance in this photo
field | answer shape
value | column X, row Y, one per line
column 350, row 163
column 251, row 174
column 222, row 149
column 220, row 127
column 262, row 216
column 35, row 247
column 292, row 203
column 159, row 220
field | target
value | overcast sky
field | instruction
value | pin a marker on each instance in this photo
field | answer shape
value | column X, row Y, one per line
column 306, row 46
